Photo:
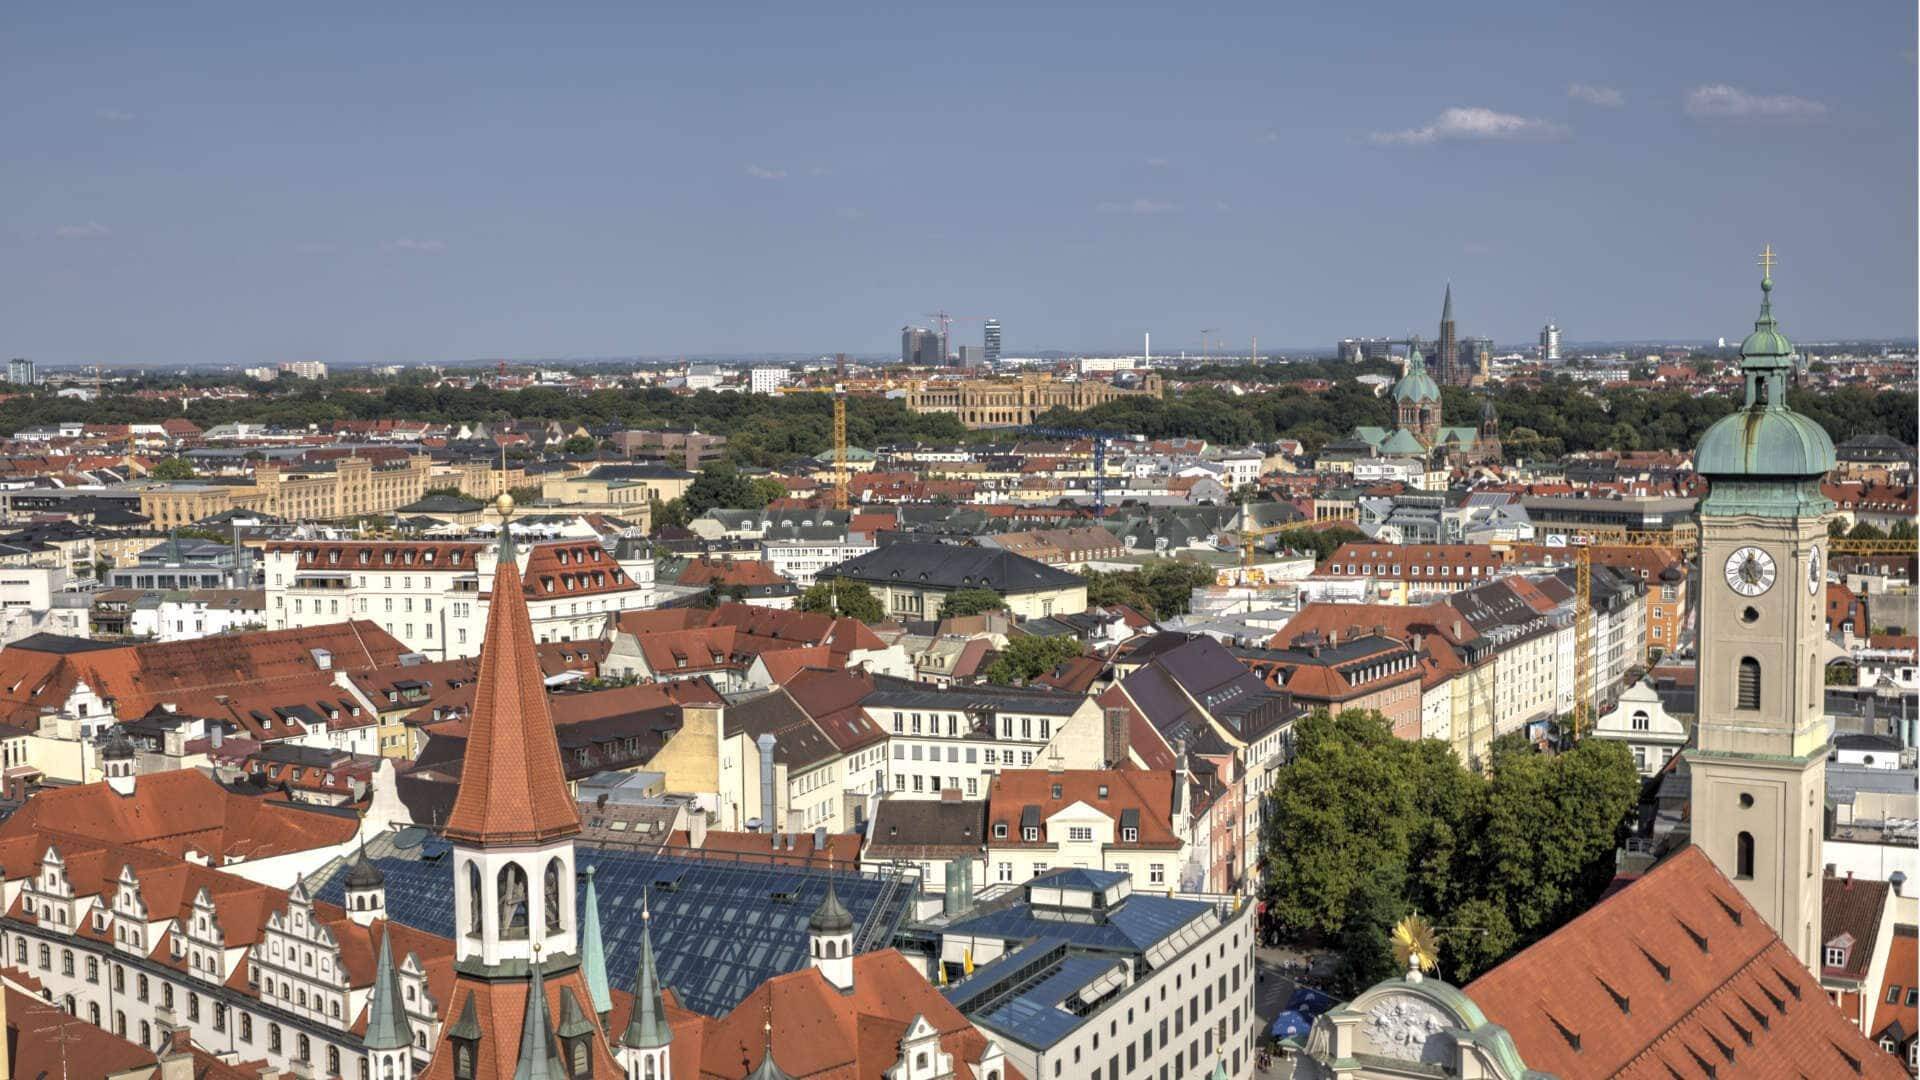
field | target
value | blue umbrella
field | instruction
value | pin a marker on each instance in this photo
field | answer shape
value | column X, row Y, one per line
column 1310, row 1002
column 1290, row 1025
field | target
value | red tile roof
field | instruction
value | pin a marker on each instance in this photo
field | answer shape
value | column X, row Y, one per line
column 820, row 1031
column 1151, row 793
column 1903, row 974
column 512, row 786
column 1675, row 975
column 177, row 813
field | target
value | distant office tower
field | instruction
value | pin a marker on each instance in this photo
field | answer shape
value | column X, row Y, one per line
column 920, row 347
column 992, row 341
column 1449, row 351
column 1467, row 356
column 1353, row 350
column 1549, row 342
column 973, row 356
column 20, row 371
column 767, row 380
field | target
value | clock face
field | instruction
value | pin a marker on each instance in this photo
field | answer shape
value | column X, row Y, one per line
column 1814, row 578
column 1750, row 571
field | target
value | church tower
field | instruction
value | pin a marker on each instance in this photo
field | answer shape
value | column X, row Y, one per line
column 522, row 996
column 1759, row 764
column 1449, row 356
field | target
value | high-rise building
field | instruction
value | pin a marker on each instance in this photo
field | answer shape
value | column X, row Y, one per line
column 1352, row 350
column 991, row 340
column 1550, row 342
column 1760, row 760
column 20, row 371
column 973, row 356
column 920, row 347
column 768, row 380
column 1448, row 354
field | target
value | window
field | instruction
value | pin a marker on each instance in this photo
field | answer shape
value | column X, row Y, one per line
column 1743, row 855
column 1080, row 834
column 1030, row 835
column 1156, row 873
column 1642, row 721
column 1005, row 872
column 1129, row 835
column 1749, row 684
column 1835, row 956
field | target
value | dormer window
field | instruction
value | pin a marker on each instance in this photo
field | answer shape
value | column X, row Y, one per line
column 1836, row 956
column 1129, row 835
column 1030, row 835
column 999, row 830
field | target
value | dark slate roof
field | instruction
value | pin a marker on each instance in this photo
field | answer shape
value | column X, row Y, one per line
column 891, row 695
column 639, row 471
column 798, row 743
column 947, row 566
column 922, row 828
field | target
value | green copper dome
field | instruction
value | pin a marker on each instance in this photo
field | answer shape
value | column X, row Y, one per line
column 1765, row 458
column 1416, row 384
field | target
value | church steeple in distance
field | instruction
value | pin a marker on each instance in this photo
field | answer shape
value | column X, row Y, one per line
column 1448, row 357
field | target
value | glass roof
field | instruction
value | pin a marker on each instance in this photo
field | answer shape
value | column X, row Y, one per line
column 722, row 924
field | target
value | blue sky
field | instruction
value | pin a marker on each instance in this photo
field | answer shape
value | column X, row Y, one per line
column 253, row 182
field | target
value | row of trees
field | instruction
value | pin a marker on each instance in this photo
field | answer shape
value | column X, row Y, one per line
column 1160, row 589
column 1365, row 828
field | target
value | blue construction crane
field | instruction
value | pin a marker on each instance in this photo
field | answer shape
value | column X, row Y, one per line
column 1100, row 440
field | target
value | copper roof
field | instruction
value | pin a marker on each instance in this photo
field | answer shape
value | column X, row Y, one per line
column 512, row 787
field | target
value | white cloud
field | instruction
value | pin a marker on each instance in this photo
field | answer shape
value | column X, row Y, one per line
column 407, row 243
column 1604, row 96
column 113, row 116
column 761, row 172
column 1722, row 102
column 1138, row 206
column 86, row 230
column 1472, row 124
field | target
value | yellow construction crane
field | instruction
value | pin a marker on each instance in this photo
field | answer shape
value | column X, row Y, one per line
column 1584, row 541
column 840, row 477
column 1688, row 543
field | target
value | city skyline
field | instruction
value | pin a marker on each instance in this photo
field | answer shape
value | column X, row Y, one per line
column 362, row 188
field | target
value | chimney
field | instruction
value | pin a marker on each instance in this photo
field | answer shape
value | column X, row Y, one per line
column 1118, row 739
column 819, row 838
column 1179, row 777
column 696, row 828
column 768, row 819
column 1849, row 885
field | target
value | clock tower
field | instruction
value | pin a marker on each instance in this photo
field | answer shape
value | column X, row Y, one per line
column 1759, row 761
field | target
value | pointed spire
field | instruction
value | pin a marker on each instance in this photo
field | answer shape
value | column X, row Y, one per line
column 387, row 1024
column 1446, row 308
column 647, row 1028
column 593, row 955
column 832, row 916
column 512, row 789
column 767, row 1069
column 536, row 1042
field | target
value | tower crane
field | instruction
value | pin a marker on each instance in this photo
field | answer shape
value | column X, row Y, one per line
column 1100, row 440
column 1206, row 349
column 840, row 444
column 1688, row 544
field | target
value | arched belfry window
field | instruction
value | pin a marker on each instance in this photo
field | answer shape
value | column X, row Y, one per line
column 1749, row 684
column 476, row 899
column 552, row 895
column 513, row 901
column 1743, row 855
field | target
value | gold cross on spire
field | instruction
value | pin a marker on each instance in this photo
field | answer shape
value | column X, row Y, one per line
column 1767, row 260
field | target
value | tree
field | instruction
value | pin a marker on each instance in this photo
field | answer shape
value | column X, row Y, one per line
column 1172, row 582
column 962, row 602
column 1864, row 531
column 1109, row 587
column 1365, row 827
column 841, row 597
column 672, row 513
column 581, row 445
column 1903, row 530
column 721, row 486
column 172, row 469
column 766, row 489
column 1025, row 658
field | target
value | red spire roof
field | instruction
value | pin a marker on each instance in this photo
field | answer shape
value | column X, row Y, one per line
column 512, row 787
